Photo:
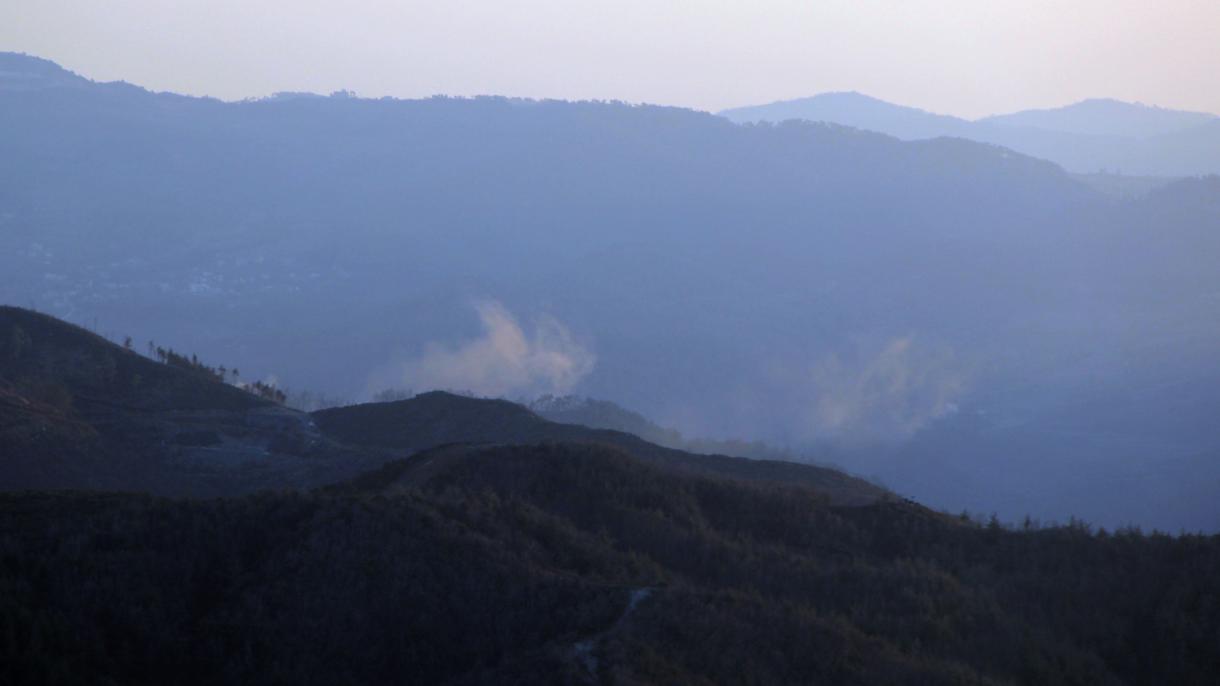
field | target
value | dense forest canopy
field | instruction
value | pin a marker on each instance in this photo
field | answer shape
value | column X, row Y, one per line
column 506, row 548
column 577, row 564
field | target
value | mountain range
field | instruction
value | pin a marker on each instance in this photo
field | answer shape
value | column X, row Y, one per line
column 1092, row 136
column 456, row 540
column 977, row 328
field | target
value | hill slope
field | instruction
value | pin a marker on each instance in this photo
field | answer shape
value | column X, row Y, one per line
column 433, row 419
column 579, row 564
column 77, row 411
column 25, row 72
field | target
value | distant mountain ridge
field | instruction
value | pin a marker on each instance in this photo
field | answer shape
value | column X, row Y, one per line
column 1105, row 117
column 795, row 283
column 26, row 73
column 857, row 110
column 1085, row 137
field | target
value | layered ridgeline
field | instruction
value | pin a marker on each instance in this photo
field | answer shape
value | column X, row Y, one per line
column 816, row 287
column 509, row 549
column 1088, row 137
column 77, row 411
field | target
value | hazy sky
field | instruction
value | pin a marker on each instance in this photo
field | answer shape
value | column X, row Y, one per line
column 964, row 57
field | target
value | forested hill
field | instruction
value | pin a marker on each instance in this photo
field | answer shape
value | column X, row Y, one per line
column 77, row 367
column 579, row 564
column 80, row 412
column 532, row 552
column 438, row 418
column 77, row 411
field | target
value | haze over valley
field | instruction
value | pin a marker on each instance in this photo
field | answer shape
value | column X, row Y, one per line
column 974, row 327
column 305, row 387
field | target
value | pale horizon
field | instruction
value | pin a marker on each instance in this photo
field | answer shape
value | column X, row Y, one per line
column 641, row 102
column 956, row 58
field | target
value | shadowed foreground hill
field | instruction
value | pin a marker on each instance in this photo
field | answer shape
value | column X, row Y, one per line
column 438, row 418
column 77, row 411
column 575, row 556
column 581, row 564
column 55, row 358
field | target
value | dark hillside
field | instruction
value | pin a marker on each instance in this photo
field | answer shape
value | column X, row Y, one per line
column 77, row 411
column 438, row 418
column 580, row 564
column 43, row 354
column 434, row 418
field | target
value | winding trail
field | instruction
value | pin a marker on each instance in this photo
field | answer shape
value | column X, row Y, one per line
column 583, row 650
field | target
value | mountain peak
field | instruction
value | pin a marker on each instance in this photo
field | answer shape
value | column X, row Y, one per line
column 856, row 96
column 1105, row 117
column 858, row 110
column 828, row 99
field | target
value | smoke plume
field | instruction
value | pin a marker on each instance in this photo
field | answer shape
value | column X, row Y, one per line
column 888, row 395
column 506, row 360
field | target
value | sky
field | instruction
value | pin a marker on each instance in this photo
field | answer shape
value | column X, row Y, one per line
column 964, row 57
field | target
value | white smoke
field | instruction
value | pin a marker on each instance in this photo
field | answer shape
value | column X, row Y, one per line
column 888, row 395
column 505, row 360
